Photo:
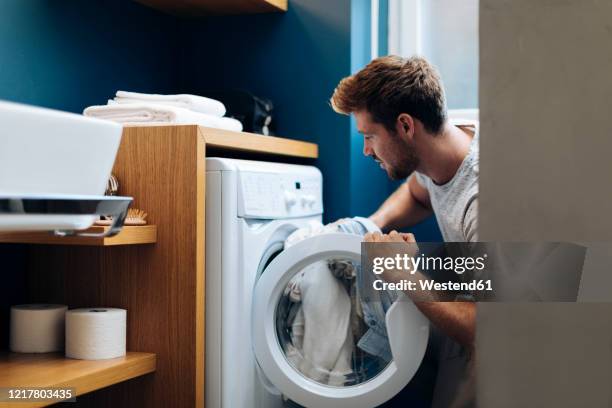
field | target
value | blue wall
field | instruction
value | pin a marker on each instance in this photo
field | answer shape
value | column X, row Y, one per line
column 369, row 185
column 69, row 54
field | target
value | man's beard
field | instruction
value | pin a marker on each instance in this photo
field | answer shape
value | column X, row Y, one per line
column 406, row 164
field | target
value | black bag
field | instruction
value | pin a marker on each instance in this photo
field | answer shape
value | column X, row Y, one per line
column 255, row 113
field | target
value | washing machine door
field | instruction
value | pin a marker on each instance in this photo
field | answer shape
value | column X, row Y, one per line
column 284, row 348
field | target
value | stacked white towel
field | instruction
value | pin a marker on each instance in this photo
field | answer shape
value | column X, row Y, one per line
column 153, row 113
column 192, row 102
column 137, row 108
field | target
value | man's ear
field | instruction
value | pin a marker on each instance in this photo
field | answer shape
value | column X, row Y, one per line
column 405, row 125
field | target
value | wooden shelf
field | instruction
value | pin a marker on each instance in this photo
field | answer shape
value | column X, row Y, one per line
column 195, row 8
column 129, row 235
column 53, row 370
column 237, row 141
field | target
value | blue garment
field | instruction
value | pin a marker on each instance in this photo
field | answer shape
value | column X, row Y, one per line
column 374, row 303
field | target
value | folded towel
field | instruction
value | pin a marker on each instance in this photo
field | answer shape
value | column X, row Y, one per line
column 153, row 113
column 192, row 102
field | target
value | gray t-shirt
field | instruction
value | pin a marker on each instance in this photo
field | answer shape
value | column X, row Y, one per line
column 456, row 202
column 456, row 207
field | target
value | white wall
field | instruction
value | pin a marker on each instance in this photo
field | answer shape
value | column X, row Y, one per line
column 546, row 175
column 449, row 39
column 546, row 120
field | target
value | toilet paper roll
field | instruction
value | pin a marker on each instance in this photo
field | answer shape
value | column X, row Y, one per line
column 37, row 328
column 95, row 333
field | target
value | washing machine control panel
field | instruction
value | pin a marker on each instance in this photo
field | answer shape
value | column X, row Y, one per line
column 276, row 195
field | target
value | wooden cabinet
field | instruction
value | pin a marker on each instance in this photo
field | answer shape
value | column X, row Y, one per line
column 161, row 284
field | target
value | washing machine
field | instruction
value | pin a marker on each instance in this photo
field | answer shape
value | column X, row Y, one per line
column 251, row 208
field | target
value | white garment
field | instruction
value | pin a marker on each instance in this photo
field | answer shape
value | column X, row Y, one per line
column 300, row 234
column 154, row 113
column 321, row 334
column 313, row 228
column 322, row 339
column 192, row 102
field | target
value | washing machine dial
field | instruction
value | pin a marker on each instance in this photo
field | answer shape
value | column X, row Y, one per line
column 290, row 199
column 308, row 200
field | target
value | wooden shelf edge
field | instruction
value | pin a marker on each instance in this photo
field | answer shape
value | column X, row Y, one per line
column 247, row 142
column 129, row 235
column 53, row 370
column 250, row 142
column 200, row 8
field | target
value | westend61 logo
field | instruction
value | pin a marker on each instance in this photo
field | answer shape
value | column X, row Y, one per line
column 411, row 264
column 484, row 271
column 416, row 266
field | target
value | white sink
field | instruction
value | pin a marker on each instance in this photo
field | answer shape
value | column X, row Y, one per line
column 49, row 153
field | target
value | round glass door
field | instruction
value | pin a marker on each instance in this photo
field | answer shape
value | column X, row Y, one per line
column 314, row 337
column 319, row 321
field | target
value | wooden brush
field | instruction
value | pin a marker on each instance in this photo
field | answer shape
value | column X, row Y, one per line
column 135, row 217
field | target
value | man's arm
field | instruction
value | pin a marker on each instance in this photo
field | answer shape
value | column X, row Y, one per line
column 456, row 319
column 407, row 206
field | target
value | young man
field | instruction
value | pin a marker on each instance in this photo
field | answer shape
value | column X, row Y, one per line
column 400, row 109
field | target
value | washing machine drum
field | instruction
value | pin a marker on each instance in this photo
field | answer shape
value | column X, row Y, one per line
column 305, row 336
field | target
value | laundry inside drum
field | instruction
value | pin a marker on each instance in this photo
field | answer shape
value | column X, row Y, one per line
column 327, row 329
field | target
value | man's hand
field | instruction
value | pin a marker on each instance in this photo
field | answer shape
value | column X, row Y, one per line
column 394, row 237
